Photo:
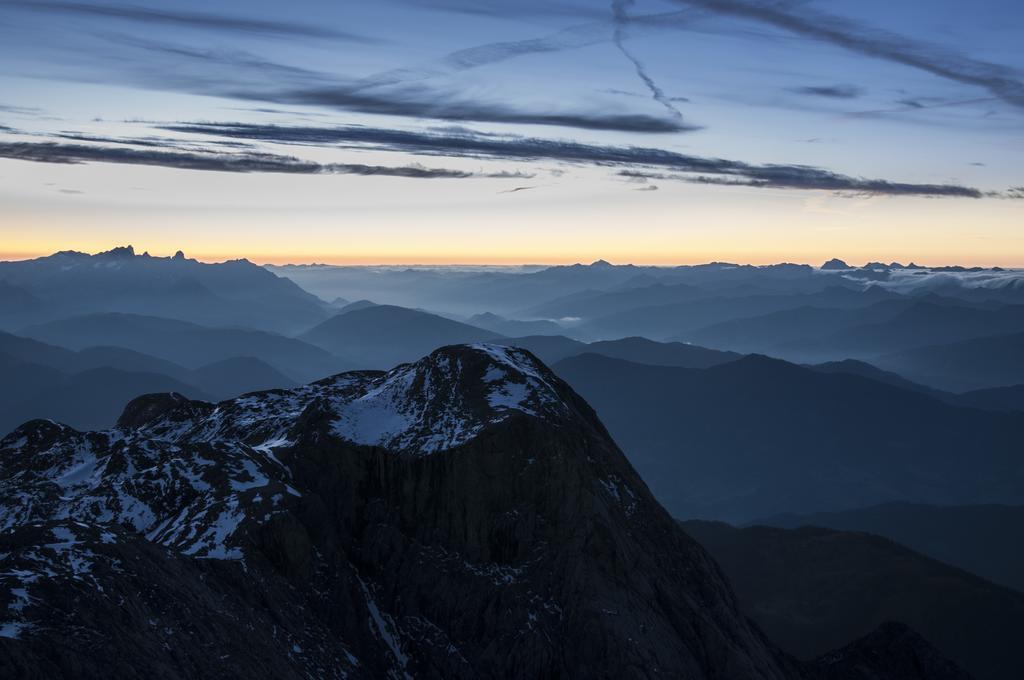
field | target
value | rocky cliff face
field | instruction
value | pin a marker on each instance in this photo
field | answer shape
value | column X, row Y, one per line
column 464, row 516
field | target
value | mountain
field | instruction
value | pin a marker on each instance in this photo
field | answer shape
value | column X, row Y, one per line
column 17, row 306
column 935, row 321
column 811, row 588
column 548, row 348
column 553, row 348
column 456, row 290
column 464, row 516
column 1009, row 398
column 866, row 370
column 797, row 331
column 680, row 321
column 759, row 436
column 353, row 306
column 589, row 304
column 385, row 335
column 987, row 540
column 228, row 293
column 514, row 327
column 239, row 375
column 88, row 388
column 187, row 344
column 644, row 351
column 835, row 263
column 91, row 399
column 18, row 348
column 978, row 363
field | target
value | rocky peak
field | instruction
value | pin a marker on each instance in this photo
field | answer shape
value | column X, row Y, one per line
column 121, row 252
column 462, row 516
column 437, row 403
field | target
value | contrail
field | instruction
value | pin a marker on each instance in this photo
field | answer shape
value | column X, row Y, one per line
column 621, row 19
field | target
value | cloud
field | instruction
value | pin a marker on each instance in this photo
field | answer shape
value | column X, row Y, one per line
column 55, row 152
column 522, row 9
column 830, row 91
column 515, row 190
column 516, row 148
column 240, row 75
column 196, row 20
column 1002, row 81
column 422, row 103
column 621, row 17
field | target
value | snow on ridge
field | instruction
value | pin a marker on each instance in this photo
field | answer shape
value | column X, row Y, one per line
column 422, row 407
column 194, row 479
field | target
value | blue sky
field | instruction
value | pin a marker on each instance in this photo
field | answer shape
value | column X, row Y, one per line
column 449, row 130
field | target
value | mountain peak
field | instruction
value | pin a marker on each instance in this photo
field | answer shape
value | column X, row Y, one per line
column 835, row 263
column 437, row 403
column 600, row 264
column 120, row 252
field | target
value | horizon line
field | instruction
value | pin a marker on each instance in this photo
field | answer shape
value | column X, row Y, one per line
column 370, row 261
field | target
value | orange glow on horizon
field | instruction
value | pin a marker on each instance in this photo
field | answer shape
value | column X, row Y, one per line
column 640, row 259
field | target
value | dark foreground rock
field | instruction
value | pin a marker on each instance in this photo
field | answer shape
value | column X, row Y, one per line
column 466, row 516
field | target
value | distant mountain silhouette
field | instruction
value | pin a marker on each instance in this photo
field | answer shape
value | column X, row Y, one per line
column 354, row 306
column 1009, row 398
column 547, row 348
column 385, row 335
column 644, row 351
column 758, row 436
column 978, row 363
column 18, row 306
column 229, row 378
column 835, row 263
column 552, row 349
column 776, row 332
column 811, row 588
column 928, row 323
column 866, row 370
column 987, row 540
column 514, row 327
column 91, row 399
column 590, row 304
column 190, row 345
column 680, row 321
column 820, row 334
column 87, row 389
column 229, row 293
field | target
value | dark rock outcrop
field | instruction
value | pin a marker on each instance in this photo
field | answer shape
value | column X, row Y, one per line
column 465, row 516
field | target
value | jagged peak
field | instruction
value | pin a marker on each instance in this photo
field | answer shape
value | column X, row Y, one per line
column 436, row 403
column 118, row 252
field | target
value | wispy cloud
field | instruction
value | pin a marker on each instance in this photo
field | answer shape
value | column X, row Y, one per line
column 55, row 152
column 516, row 148
column 194, row 20
column 1002, row 81
column 621, row 16
column 829, row 91
column 241, row 75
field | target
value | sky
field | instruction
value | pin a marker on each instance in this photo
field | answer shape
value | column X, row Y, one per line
column 491, row 131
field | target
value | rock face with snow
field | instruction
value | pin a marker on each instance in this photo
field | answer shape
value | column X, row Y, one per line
column 464, row 516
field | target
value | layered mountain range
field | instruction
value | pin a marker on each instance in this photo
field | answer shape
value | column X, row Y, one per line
column 463, row 516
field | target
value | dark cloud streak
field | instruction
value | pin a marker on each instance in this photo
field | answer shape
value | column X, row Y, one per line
column 54, row 152
column 196, row 20
column 1001, row 81
column 240, row 75
column 514, row 148
column 829, row 91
